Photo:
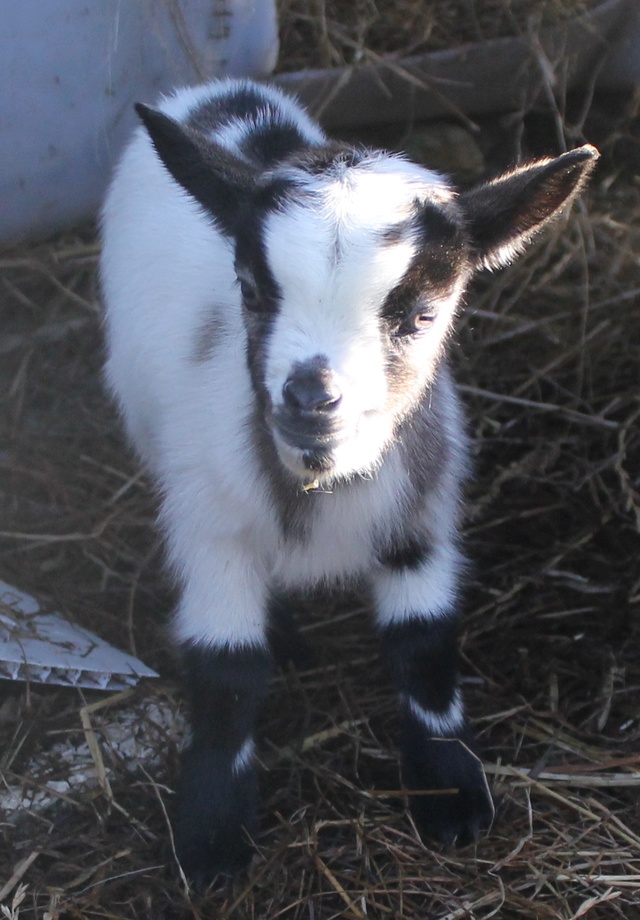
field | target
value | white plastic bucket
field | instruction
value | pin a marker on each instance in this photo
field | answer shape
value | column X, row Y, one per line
column 70, row 71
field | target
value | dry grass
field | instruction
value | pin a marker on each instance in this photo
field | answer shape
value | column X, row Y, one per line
column 331, row 33
column 548, row 355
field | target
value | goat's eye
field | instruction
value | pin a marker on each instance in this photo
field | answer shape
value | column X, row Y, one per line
column 416, row 322
column 423, row 320
column 249, row 294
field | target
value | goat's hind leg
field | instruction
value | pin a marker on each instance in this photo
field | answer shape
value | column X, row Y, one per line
column 287, row 645
column 416, row 603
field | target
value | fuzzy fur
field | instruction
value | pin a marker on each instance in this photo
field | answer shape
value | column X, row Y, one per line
column 277, row 313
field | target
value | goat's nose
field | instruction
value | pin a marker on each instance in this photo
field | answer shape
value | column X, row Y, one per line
column 311, row 390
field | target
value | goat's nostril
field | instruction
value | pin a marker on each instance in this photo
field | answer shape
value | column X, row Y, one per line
column 311, row 393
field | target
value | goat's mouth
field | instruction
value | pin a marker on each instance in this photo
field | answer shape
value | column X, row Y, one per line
column 307, row 454
column 318, row 461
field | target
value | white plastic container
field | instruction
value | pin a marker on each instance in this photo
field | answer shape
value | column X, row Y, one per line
column 70, row 71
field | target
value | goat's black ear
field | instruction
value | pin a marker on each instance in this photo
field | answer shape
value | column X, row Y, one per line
column 217, row 179
column 505, row 213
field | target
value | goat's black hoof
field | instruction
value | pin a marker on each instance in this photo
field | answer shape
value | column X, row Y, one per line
column 448, row 792
column 215, row 818
column 213, row 860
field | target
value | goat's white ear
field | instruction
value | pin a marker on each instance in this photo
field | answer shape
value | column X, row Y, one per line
column 505, row 213
column 217, row 179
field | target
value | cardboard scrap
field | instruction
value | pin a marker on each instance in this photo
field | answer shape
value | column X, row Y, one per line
column 46, row 648
column 136, row 734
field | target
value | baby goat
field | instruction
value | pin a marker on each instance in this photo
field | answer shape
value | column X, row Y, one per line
column 277, row 312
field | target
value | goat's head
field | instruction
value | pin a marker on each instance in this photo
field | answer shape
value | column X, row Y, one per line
column 350, row 267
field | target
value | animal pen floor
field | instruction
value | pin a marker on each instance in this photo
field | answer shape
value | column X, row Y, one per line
column 548, row 355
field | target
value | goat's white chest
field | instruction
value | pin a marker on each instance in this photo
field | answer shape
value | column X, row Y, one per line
column 344, row 529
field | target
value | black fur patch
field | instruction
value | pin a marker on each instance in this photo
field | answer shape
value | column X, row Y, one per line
column 405, row 553
column 251, row 255
column 328, row 158
column 441, row 259
column 423, row 657
column 216, row 816
column 295, row 507
column 251, row 258
column 209, row 336
column 423, row 440
column 272, row 143
column 287, row 646
column 216, row 807
column 242, row 103
column 275, row 139
column 225, row 688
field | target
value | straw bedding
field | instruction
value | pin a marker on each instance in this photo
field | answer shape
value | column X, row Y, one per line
column 330, row 33
column 548, row 355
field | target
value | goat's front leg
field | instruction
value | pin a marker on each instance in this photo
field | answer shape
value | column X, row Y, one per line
column 416, row 598
column 220, row 623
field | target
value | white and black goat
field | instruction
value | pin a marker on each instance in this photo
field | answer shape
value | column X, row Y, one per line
column 277, row 312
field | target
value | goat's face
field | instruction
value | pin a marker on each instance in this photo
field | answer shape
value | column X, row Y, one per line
column 350, row 267
column 349, row 290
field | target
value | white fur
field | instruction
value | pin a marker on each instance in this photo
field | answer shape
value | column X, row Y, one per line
column 344, row 531
column 429, row 591
column 166, row 271
column 243, row 759
column 440, row 724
